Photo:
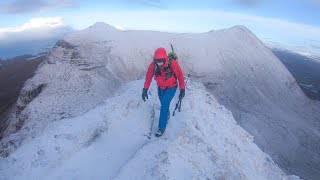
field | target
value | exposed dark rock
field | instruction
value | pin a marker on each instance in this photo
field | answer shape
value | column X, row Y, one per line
column 65, row 45
column 13, row 75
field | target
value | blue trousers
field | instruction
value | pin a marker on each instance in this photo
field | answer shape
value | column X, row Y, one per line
column 165, row 97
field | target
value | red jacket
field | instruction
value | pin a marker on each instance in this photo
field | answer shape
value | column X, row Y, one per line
column 162, row 82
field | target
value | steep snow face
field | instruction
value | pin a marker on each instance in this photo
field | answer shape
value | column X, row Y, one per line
column 111, row 142
column 87, row 67
column 76, row 76
column 266, row 100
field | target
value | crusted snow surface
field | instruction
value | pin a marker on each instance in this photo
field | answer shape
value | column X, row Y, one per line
column 203, row 141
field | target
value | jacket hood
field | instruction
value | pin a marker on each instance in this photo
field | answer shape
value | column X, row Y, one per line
column 161, row 53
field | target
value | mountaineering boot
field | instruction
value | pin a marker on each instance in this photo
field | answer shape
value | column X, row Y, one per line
column 159, row 133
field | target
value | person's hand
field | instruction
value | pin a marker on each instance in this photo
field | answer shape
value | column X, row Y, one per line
column 144, row 94
column 182, row 93
column 172, row 55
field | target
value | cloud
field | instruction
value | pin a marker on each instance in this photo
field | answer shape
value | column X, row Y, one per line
column 30, row 6
column 36, row 23
column 32, row 37
column 247, row 3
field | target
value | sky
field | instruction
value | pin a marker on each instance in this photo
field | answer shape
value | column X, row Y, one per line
column 289, row 24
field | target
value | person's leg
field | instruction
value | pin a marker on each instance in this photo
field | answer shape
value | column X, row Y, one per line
column 160, row 93
column 165, row 103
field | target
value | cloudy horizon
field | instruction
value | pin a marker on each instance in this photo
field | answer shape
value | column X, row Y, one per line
column 43, row 20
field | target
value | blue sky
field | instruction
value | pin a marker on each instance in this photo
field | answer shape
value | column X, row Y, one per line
column 292, row 24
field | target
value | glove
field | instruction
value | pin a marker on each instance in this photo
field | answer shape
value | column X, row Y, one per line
column 144, row 94
column 182, row 93
column 172, row 55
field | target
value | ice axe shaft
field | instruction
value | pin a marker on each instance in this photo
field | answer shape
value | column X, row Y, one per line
column 178, row 105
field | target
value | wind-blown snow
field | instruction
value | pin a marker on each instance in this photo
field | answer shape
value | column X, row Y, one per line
column 111, row 142
column 87, row 67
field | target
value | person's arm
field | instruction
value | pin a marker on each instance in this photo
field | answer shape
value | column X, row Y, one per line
column 149, row 76
column 178, row 72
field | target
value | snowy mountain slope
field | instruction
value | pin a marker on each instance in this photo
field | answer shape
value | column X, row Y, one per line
column 110, row 142
column 87, row 67
column 267, row 102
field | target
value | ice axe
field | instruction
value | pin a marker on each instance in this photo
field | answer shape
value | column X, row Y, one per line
column 178, row 105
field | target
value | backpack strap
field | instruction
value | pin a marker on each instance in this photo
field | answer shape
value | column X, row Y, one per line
column 169, row 71
column 157, row 71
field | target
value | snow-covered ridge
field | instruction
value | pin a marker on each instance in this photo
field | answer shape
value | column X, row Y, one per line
column 110, row 142
column 87, row 67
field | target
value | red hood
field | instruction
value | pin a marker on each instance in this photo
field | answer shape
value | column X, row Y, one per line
column 161, row 53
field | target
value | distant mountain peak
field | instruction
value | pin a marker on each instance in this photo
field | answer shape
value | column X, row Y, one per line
column 102, row 25
column 239, row 27
column 234, row 28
